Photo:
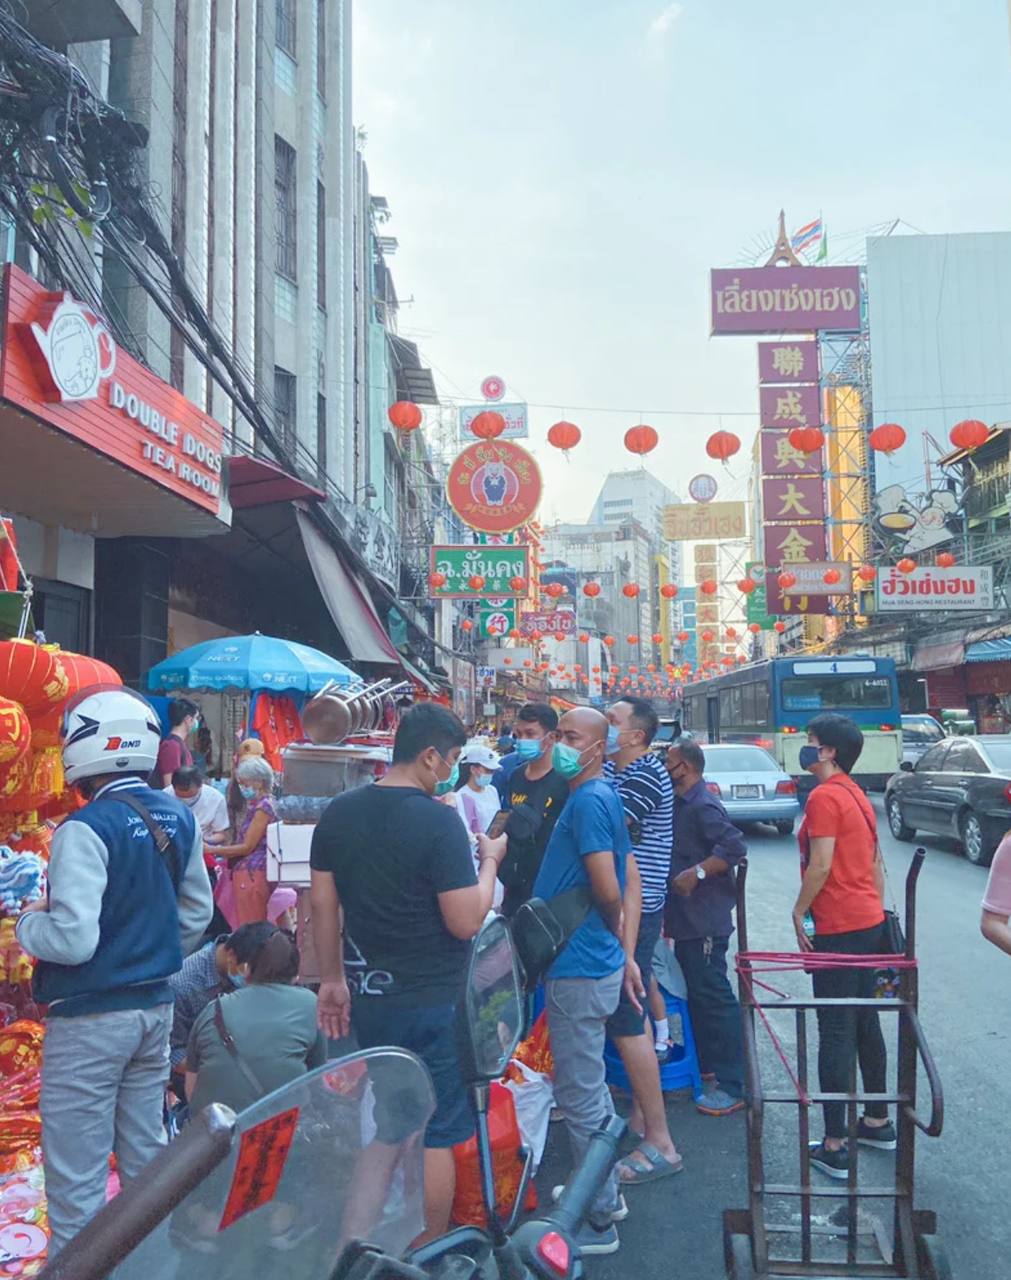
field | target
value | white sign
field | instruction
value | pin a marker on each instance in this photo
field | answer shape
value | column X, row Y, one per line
column 965, row 587
column 486, row 676
column 78, row 349
column 811, row 578
column 515, row 415
column 836, row 667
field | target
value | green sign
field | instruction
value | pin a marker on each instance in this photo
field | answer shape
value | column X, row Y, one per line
column 495, row 565
column 758, row 604
column 496, row 620
column 496, row 539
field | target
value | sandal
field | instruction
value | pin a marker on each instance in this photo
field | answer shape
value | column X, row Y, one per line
column 658, row 1167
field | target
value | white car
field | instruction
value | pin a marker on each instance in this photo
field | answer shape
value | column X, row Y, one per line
column 751, row 785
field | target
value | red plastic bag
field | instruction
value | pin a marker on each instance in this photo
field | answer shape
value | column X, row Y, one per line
column 468, row 1209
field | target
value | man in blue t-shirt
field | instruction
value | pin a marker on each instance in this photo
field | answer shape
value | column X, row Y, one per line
column 588, row 848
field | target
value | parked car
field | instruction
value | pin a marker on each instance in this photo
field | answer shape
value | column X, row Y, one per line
column 751, row 785
column 959, row 787
column 919, row 733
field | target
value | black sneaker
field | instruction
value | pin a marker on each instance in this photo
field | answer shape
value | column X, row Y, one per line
column 881, row 1136
column 835, row 1163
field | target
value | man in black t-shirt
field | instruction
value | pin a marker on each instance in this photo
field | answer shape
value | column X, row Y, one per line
column 399, row 865
column 534, row 794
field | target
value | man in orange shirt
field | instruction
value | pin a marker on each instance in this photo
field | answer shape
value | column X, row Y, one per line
column 843, row 889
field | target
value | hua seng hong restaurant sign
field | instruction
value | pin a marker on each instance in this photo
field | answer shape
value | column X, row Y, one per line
column 784, row 299
column 151, row 461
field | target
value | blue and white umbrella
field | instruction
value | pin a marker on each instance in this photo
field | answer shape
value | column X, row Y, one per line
column 250, row 662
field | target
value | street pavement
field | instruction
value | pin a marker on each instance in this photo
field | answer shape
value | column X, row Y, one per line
column 675, row 1228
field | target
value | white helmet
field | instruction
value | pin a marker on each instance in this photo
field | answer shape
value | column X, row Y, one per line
column 109, row 729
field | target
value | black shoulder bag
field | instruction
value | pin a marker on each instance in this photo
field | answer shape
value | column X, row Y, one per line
column 541, row 929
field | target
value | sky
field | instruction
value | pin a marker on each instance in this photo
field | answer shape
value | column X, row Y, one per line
column 563, row 173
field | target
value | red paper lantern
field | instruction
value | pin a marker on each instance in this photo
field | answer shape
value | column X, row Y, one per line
column 668, row 590
column 641, row 440
column 514, row 633
column 867, row 573
column 527, row 662
column 517, row 583
column 632, row 639
column 831, row 577
column 741, row 658
column 807, row 439
column 405, row 415
column 554, row 590
column 722, row 445
column 564, row 435
column 754, row 628
column 945, row 560
column 609, row 641
column 437, row 580
column 507, row 662
column 475, row 582
column 683, row 637
column 488, row 424
column 887, row 438
column 595, row 670
column 786, row 581
column 906, row 565
column 731, row 633
column 708, row 636
column 32, row 674
column 15, row 732
column 466, row 625
column 577, row 666
column 559, row 636
column 584, row 637
column 969, row 434
column 779, row 626
column 591, row 589
column 630, row 590
column 709, row 586
column 633, row 671
column 746, row 585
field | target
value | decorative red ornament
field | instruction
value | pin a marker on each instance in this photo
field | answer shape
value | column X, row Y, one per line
column 651, row 666
column 595, row 670
column 807, row 439
column 867, row 573
column 641, row 440
column 741, row 658
column 831, row 576
column 887, row 438
column 554, row 590
column 559, row 636
column 906, row 565
column 631, row 590
column 709, row 586
column 722, row 445
column 632, row 640
column 437, row 580
column 668, row 590
column 15, row 732
column 633, row 671
column 475, row 582
column 564, row 435
column 657, row 637
column 779, row 626
column 517, row 584
column 536, row 636
column 683, row 637
column 488, row 424
column 583, row 637
column 527, row 662
column 746, row 586
column 577, row 666
column 787, row 580
column 609, row 641
column 514, row 633
column 969, row 434
column 591, row 589
column 466, row 625
column 405, row 415
column 731, row 633
column 708, row 636
column 507, row 662
column 754, row 628
column 945, row 560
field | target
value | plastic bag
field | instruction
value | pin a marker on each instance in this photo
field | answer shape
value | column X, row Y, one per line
column 533, row 1098
column 504, row 1134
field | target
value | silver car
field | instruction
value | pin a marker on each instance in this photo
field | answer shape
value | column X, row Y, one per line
column 919, row 734
column 751, row 785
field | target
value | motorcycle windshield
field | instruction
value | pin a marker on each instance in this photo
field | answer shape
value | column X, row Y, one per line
column 334, row 1156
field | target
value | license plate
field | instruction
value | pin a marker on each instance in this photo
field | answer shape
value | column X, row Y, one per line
column 747, row 793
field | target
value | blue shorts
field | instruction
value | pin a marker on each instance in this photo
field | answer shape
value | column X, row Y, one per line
column 429, row 1032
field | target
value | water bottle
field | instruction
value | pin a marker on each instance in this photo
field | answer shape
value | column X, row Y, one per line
column 808, row 925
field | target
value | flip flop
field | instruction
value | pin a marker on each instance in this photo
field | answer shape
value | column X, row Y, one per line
column 659, row 1166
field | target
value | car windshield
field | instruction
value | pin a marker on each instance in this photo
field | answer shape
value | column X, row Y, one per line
column 925, row 730
column 999, row 754
column 739, row 760
column 836, row 693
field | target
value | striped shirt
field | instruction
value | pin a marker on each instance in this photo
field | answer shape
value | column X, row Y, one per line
column 647, row 796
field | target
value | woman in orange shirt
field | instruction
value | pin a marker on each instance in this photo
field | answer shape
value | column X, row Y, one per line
column 843, row 889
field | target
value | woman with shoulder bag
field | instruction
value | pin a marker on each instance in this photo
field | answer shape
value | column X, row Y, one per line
column 843, row 889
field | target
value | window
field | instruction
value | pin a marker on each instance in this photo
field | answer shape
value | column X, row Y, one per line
column 836, row 693
column 963, row 758
column 1000, row 756
column 730, row 707
column 739, row 760
column 321, row 437
column 761, row 705
column 921, row 730
column 933, row 760
column 284, row 408
column 320, row 246
column 286, row 220
column 284, row 35
column 321, row 48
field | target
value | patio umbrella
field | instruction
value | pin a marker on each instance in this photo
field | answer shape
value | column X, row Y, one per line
column 249, row 662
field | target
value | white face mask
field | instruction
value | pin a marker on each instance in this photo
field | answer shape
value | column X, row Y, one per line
column 190, row 800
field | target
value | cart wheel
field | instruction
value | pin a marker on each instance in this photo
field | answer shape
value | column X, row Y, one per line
column 741, row 1265
column 932, row 1258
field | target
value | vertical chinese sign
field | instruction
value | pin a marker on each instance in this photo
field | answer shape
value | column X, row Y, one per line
column 707, row 608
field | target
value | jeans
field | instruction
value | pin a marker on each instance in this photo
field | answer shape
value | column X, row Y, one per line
column 103, row 1085
column 715, row 1013
column 578, row 1009
column 848, row 1034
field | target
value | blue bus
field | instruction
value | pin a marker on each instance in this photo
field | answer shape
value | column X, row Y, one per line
column 770, row 703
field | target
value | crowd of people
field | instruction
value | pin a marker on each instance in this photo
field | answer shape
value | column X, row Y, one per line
column 141, row 993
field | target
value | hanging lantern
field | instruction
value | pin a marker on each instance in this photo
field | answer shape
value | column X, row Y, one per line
column 722, row 445
column 786, row 581
column 517, row 584
column 708, row 636
column 754, row 628
column 507, row 662
column 867, row 573
column 969, row 434
column 15, row 732
column 564, row 435
column 746, row 586
column 807, row 439
column 488, row 424
column 779, row 626
column 466, row 625
column 632, row 640
column 630, row 590
column 641, row 440
column 559, row 636
column 609, row 641
column 543, row 666
column 527, row 662
column 709, row 586
column 591, row 589
column 741, row 658
column 554, row 590
column 683, row 637
column 475, row 582
column 906, row 565
column 945, row 560
column 657, row 637
column 436, row 580
column 651, row 667
column 577, row 666
column 668, row 590
column 887, row 438
column 405, row 415
column 32, row 674
column 514, row 633
column 830, row 577
column 633, row 671
column 731, row 633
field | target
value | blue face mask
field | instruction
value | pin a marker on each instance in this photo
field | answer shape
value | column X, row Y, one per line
column 529, row 748
column 809, row 756
column 480, row 779
column 613, row 745
column 237, row 980
column 441, row 788
column 247, row 793
column 567, row 760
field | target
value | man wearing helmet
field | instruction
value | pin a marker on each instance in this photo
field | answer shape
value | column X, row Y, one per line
column 128, row 898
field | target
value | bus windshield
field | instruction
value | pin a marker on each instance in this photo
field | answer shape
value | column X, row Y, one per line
column 836, row 693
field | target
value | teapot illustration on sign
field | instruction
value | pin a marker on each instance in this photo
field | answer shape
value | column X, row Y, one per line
column 73, row 347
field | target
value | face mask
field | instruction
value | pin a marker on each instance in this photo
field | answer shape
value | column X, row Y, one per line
column 566, row 760
column 190, row 800
column 237, row 980
column 613, row 745
column 441, row 788
column 809, row 756
column 480, row 779
column 529, row 748
column 247, row 793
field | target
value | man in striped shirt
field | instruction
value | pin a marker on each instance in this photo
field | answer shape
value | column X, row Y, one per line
column 647, row 796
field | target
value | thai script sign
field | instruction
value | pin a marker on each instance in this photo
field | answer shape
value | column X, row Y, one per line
column 788, row 362
column 784, row 299
column 495, row 564
column 793, row 498
column 927, row 587
column 515, row 415
column 494, row 486
column 693, row 521
column 811, row 578
column 561, row 620
column 779, row 457
column 789, row 407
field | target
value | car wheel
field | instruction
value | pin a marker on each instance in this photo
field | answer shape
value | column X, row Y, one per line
column 896, row 824
column 974, row 842
column 785, row 828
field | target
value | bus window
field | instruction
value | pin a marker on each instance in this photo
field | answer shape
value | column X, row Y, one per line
column 836, row 693
column 762, row 704
column 748, row 704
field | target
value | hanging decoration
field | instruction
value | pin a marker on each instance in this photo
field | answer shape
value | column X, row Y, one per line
column 559, row 636
column 630, row 590
column 564, row 435
column 906, row 565
column 867, row 573
column 807, row 439
column 831, row 576
column 969, row 434
column 779, row 626
column 709, row 586
column 945, row 560
column 632, row 639
column 609, row 641
column 554, row 590
column 786, row 581
column 488, row 424
column 518, row 584
column 514, row 633
column 405, row 415
column 436, row 580
column 683, row 637
column 657, row 637
column 708, row 636
column 731, row 633
column 722, row 445
column 887, row 438
column 754, row 628
column 466, row 625
column 668, row 591
column 746, row 586
column 641, row 440
column 591, row 589
column 475, row 582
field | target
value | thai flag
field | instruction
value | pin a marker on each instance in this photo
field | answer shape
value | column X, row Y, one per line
column 807, row 236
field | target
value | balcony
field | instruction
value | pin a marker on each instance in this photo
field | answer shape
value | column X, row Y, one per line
column 59, row 24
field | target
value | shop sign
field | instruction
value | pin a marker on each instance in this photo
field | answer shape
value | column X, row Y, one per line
column 493, row 387
column 966, row 587
column 787, row 547
column 793, row 498
column 547, row 623
column 495, row 539
column 789, row 407
column 498, row 619
column 61, row 364
column 506, row 659
column 516, row 426
column 811, row 578
column 695, row 521
column 784, row 299
column 486, row 677
column 788, row 362
column 779, row 457
column 702, row 488
column 757, row 607
column 495, row 564
column 494, row 486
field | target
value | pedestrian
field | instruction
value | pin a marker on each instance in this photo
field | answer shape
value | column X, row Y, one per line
column 203, row 751
column 174, row 752
column 119, row 917
column 478, row 799
column 208, row 804
column 588, row 849
column 647, row 797
column 233, row 795
column 409, row 910
column 997, row 899
column 843, row 889
column 700, row 919
column 505, row 742
column 534, row 794
column 247, row 857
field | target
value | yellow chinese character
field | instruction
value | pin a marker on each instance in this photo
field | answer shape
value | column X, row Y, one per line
column 789, row 361
column 788, row 407
column 791, row 502
column 787, row 455
column 793, row 548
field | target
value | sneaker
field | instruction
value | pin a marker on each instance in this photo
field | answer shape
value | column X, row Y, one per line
column 617, row 1215
column 881, row 1136
column 588, row 1240
column 716, row 1102
column 835, row 1163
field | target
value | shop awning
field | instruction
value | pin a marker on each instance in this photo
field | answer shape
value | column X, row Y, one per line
column 346, row 598
column 255, row 482
column 943, row 653
column 990, row 651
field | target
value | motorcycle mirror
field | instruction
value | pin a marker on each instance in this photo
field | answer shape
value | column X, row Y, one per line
column 493, row 1005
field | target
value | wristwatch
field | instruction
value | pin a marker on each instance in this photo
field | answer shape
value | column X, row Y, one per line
column 700, row 871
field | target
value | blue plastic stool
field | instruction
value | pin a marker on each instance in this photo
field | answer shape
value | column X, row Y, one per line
column 682, row 1065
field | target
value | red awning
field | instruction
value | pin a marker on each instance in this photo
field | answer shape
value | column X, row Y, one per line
column 255, row 482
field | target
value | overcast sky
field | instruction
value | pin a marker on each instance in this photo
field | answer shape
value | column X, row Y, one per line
column 563, row 173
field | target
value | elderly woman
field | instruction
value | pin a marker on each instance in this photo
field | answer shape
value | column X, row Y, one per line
column 247, row 857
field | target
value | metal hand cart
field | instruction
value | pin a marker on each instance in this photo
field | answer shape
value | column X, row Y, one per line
column 851, row 1241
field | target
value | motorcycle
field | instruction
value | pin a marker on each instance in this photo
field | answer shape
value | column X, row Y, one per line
column 324, row 1177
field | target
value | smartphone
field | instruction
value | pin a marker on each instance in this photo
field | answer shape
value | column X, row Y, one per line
column 498, row 823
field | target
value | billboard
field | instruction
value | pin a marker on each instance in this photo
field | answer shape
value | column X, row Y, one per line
column 793, row 498
column 790, row 407
column 546, row 623
column 811, row 578
column 695, row 521
column 497, row 565
column 784, row 299
column 968, row 587
column 787, row 362
column 516, row 427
